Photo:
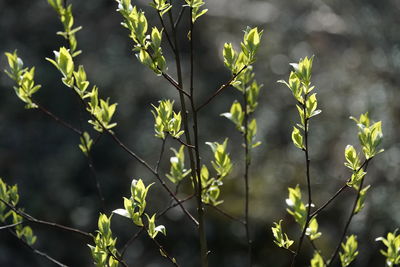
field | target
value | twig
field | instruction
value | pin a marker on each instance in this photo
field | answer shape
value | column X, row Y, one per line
column 165, row 31
column 307, row 162
column 10, row 225
column 165, row 253
column 226, row 214
column 183, row 143
column 200, row 210
column 38, row 252
column 136, row 235
column 116, row 257
column 178, row 19
column 348, row 221
column 57, row 119
column 221, row 88
column 161, row 154
column 247, row 161
column 345, row 186
column 37, row 221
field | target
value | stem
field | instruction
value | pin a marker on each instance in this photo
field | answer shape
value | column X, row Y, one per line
column 172, row 260
column 161, row 154
column 226, row 214
column 200, row 209
column 307, row 161
column 9, row 226
column 348, row 221
column 57, row 119
column 136, row 235
column 37, row 221
column 38, row 252
column 116, row 257
column 345, row 186
column 221, row 88
column 247, row 161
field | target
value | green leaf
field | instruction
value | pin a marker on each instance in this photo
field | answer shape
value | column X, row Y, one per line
column 349, row 252
column 297, row 138
column 281, row 239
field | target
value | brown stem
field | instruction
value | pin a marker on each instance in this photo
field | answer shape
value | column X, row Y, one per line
column 247, row 161
column 345, row 186
column 38, row 252
column 9, row 226
column 307, row 162
column 136, row 235
column 200, row 209
column 57, row 119
column 37, row 221
column 348, row 221
column 226, row 214
column 221, row 88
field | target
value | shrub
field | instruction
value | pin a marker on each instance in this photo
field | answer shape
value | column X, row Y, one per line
column 202, row 182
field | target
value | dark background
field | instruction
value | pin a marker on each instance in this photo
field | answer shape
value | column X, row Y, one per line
column 356, row 69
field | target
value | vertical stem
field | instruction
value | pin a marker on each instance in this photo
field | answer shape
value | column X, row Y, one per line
column 200, row 207
column 307, row 161
column 247, row 161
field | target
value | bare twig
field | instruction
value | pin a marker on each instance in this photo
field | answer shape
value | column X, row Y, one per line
column 220, row 89
column 247, row 162
column 9, row 226
column 37, row 221
column 57, row 119
column 161, row 154
column 345, row 186
column 178, row 19
column 38, row 252
column 233, row 218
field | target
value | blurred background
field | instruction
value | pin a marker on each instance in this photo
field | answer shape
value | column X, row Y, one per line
column 356, row 69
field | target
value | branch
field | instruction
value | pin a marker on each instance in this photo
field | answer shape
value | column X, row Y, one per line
column 37, row 221
column 38, row 252
column 9, row 226
column 136, row 235
column 57, row 119
column 226, row 214
column 178, row 19
column 116, row 258
column 345, row 186
column 221, row 88
column 348, row 220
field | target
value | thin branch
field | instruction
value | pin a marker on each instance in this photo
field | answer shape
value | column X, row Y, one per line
column 10, row 225
column 200, row 210
column 345, row 186
column 38, row 252
column 37, row 221
column 161, row 154
column 165, row 253
column 247, row 161
column 174, row 83
column 348, row 220
column 221, row 88
column 116, row 258
column 178, row 19
column 183, row 143
column 165, row 31
column 57, row 119
column 307, row 162
column 136, row 235
column 233, row 218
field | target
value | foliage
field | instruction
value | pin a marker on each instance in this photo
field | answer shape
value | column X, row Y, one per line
column 207, row 180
